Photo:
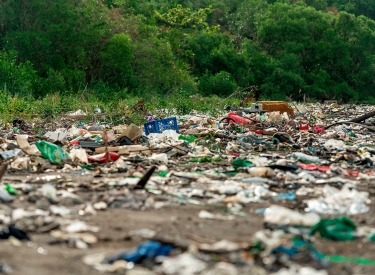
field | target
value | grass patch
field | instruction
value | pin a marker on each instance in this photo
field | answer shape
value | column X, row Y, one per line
column 130, row 108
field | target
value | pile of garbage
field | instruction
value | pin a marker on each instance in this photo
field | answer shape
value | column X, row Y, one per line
column 307, row 169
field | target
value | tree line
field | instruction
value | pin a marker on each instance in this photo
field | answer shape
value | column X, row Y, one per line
column 314, row 49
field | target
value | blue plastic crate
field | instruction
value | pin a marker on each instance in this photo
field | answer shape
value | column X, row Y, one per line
column 159, row 126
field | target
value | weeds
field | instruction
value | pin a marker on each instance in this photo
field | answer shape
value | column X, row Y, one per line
column 115, row 112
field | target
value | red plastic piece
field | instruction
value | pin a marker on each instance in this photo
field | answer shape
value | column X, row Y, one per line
column 259, row 132
column 351, row 173
column 318, row 129
column 74, row 142
column 314, row 167
column 239, row 119
column 102, row 158
column 304, row 127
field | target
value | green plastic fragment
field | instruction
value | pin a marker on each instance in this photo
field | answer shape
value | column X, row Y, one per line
column 241, row 163
column 238, row 130
column 188, row 139
column 162, row 173
column 11, row 190
column 372, row 238
column 343, row 259
column 96, row 137
column 87, row 167
column 339, row 229
column 332, row 258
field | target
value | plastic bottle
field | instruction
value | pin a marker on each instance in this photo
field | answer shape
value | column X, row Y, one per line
column 304, row 158
column 239, row 119
column 105, row 157
column 10, row 154
column 11, row 190
column 52, row 152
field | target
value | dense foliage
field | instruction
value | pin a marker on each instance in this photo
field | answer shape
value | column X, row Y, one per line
column 314, row 49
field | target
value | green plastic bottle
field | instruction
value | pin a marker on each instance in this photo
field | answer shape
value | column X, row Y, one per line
column 11, row 190
column 52, row 152
column 188, row 139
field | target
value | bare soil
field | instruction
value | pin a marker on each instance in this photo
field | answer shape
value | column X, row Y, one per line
column 174, row 222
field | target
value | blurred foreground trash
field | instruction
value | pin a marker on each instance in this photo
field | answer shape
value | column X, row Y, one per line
column 148, row 250
column 12, row 231
column 280, row 215
column 339, row 229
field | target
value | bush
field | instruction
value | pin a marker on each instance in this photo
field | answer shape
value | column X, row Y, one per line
column 116, row 61
column 16, row 78
column 221, row 83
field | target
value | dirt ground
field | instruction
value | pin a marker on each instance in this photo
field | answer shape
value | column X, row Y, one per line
column 43, row 257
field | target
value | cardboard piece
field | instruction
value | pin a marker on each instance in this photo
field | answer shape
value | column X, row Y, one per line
column 26, row 147
column 132, row 132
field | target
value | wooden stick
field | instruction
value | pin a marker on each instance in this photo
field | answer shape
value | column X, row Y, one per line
column 364, row 117
column 371, row 128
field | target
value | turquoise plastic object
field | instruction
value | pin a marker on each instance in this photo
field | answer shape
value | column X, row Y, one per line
column 52, row 152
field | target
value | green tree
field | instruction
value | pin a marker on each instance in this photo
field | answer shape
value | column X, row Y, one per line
column 65, row 37
column 319, row 53
column 16, row 77
column 180, row 17
column 221, row 84
column 116, row 59
column 212, row 52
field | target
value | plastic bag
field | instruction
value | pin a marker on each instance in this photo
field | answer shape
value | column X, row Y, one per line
column 339, row 229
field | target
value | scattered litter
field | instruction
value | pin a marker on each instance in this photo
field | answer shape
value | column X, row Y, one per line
column 183, row 264
column 90, row 185
column 280, row 215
